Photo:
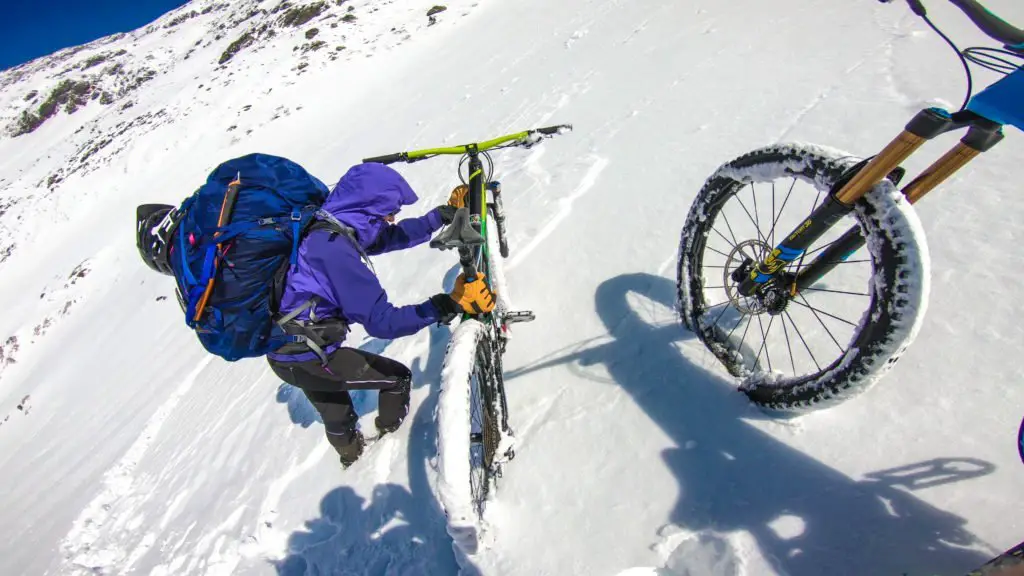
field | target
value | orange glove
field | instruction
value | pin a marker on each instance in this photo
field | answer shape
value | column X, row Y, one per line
column 459, row 196
column 473, row 297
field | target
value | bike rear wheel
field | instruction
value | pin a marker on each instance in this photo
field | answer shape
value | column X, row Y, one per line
column 832, row 339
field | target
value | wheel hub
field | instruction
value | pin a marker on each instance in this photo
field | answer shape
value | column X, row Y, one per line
column 738, row 264
column 772, row 297
column 775, row 299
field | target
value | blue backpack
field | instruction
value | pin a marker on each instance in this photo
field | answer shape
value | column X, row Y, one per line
column 235, row 240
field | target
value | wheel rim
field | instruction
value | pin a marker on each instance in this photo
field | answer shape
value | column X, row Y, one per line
column 478, row 473
column 814, row 330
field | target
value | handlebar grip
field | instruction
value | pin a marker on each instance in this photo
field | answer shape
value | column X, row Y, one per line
column 989, row 23
column 553, row 129
column 387, row 158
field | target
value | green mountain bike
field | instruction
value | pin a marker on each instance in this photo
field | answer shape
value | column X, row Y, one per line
column 474, row 436
column 804, row 270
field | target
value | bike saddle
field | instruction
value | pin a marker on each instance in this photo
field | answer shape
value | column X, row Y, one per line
column 457, row 234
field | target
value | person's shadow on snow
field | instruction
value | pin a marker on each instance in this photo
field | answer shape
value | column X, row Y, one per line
column 808, row 519
column 353, row 536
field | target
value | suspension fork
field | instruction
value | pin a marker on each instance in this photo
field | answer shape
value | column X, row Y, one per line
column 981, row 136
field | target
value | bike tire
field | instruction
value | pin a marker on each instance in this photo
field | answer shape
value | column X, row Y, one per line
column 467, row 388
column 898, row 289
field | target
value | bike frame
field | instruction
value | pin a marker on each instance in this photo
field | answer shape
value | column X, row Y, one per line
column 473, row 258
column 984, row 118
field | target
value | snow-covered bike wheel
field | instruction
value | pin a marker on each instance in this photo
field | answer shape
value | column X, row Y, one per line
column 468, row 433
column 893, row 289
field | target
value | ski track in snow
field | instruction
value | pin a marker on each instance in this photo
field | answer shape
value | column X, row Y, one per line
column 269, row 540
column 597, row 165
column 86, row 548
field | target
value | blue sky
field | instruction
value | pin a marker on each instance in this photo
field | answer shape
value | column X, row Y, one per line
column 29, row 29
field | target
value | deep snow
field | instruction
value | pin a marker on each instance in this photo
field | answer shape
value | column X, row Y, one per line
column 140, row 455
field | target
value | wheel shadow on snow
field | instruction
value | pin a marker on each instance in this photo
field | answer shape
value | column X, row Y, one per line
column 399, row 530
column 733, row 476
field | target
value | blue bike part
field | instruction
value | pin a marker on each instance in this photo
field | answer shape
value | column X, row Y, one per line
column 1020, row 441
column 1002, row 102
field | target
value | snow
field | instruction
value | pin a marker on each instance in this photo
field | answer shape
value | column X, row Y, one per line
column 633, row 447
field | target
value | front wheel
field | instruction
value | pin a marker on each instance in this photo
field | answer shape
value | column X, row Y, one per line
column 471, row 442
column 831, row 339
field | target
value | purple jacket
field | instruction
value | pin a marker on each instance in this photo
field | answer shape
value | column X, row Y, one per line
column 331, row 268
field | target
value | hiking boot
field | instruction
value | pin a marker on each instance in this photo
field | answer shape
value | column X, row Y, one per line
column 383, row 429
column 350, row 452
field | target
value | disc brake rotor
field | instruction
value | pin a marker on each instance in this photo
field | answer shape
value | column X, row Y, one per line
column 743, row 255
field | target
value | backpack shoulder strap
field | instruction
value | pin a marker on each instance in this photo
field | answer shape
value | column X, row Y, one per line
column 324, row 220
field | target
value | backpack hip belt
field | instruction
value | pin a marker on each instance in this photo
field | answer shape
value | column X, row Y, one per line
column 313, row 334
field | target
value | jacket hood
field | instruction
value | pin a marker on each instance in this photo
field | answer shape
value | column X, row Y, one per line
column 365, row 195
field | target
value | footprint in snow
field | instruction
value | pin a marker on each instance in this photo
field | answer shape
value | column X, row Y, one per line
column 23, row 405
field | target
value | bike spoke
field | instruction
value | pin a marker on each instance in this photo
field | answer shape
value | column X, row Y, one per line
column 720, row 314
column 822, row 322
column 744, row 338
column 789, row 346
column 716, row 251
column 758, row 230
column 836, row 291
column 764, row 344
column 738, row 322
column 783, row 207
column 729, row 226
column 800, row 334
column 731, row 233
column 807, row 304
column 723, row 237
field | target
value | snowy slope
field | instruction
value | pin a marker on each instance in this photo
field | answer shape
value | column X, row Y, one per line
column 136, row 453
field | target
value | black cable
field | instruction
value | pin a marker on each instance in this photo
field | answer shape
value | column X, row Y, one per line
column 490, row 166
column 963, row 60
column 994, row 59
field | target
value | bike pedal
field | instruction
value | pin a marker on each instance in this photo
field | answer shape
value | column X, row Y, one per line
column 516, row 317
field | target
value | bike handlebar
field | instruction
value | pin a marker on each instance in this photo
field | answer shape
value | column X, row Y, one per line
column 386, row 159
column 992, row 25
column 517, row 139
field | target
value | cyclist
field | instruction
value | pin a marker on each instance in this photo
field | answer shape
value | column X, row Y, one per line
column 334, row 285
column 339, row 275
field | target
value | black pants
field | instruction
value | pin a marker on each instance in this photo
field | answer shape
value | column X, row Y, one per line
column 350, row 369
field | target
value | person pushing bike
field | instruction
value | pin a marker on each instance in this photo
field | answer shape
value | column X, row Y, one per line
column 333, row 285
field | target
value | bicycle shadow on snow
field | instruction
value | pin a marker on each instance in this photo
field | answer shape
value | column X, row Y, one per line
column 734, row 477
column 399, row 530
